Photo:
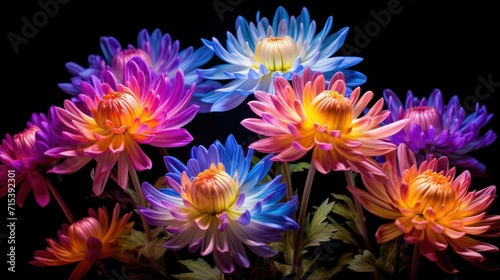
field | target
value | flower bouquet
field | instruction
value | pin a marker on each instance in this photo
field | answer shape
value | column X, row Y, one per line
column 260, row 153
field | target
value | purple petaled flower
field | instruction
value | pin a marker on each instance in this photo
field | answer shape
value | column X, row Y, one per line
column 112, row 120
column 439, row 129
column 158, row 50
column 23, row 160
column 217, row 203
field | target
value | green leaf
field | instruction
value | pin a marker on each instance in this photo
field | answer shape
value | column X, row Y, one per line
column 153, row 249
column 387, row 257
column 298, row 167
column 336, row 265
column 285, row 269
column 346, row 208
column 363, row 263
column 316, row 230
column 201, row 270
column 343, row 234
column 285, row 246
column 136, row 239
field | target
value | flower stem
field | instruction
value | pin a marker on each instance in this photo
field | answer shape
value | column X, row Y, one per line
column 415, row 259
column 104, row 270
column 140, row 197
column 59, row 199
column 397, row 258
column 163, row 152
column 297, row 250
column 288, row 180
column 349, row 175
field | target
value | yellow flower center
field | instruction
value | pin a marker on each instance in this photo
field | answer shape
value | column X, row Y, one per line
column 425, row 117
column 333, row 110
column 277, row 53
column 117, row 110
column 23, row 143
column 213, row 190
column 121, row 59
column 431, row 190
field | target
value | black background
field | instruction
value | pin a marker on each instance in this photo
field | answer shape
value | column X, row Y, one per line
column 422, row 47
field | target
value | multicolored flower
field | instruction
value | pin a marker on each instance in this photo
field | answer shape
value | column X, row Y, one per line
column 23, row 154
column 431, row 206
column 439, row 129
column 306, row 115
column 263, row 50
column 158, row 50
column 217, row 202
column 86, row 241
column 117, row 118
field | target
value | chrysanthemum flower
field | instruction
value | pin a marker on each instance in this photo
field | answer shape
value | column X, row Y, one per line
column 264, row 50
column 116, row 118
column 24, row 154
column 431, row 206
column 158, row 50
column 86, row 241
column 439, row 129
column 217, row 202
column 305, row 115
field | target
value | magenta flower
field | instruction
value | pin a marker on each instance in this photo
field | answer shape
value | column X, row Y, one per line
column 116, row 118
column 24, row 153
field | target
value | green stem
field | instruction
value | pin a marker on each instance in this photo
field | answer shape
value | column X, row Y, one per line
column 415, row 259
column 288, row 182
column 397, row 258
column 59, row 199
column 140, row 197
column 297, row 250
column 349, row 175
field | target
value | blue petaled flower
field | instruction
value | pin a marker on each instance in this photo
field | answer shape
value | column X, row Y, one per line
column 267, row 49
column 217, row 202
column 158, row 50
column 440, row 129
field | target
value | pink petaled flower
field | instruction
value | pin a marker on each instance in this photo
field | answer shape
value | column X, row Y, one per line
column 22, row 156
column 305, row 115
column 113, row 119
column 430, row 206
column 85, row 241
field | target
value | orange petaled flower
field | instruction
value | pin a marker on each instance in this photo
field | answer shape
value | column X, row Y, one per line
column 311, row 116
column 432, row 207
column 86, row 241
